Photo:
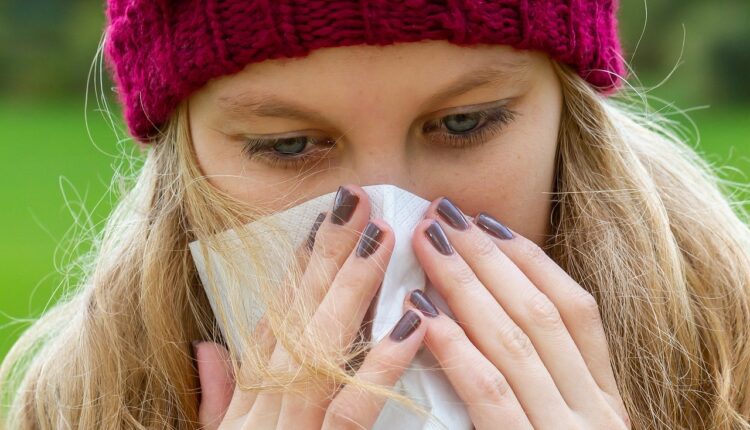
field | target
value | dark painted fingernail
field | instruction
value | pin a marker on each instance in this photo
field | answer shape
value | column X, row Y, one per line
column 370, row 240
column 314, row 230
column 420, row 300
column 493, row 226
column 343, row 206
column 437, row 236
column 451, row 214
column 405, row 326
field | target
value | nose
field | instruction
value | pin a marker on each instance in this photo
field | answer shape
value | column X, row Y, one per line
column 382, row 160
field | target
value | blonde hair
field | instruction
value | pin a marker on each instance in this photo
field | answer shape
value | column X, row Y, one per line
column 638, row 219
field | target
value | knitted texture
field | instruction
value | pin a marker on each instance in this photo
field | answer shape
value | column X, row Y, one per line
column 160, row 51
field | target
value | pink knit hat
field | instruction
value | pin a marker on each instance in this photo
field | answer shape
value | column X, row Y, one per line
column 160, row 51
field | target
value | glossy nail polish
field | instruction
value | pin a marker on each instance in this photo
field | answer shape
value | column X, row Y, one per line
column 314, row 230
column 492, row 226
column 343, row 206
column 438, row 239
column 451, row 214
column 420, row 300
column 405, row 326
column 369, row 241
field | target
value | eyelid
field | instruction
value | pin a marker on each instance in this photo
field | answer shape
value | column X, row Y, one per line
column 424, row 117
column 494, row 119
column 277, row 136
column 262, row 142
column 495, row 104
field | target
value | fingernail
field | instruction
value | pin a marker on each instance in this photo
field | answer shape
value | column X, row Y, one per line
column 420, row 300
column 451, row 214
column 343, row 206
column 437, row 236
column 493, row 226
column 314, row 230
column 405, row 326
column 369, row 241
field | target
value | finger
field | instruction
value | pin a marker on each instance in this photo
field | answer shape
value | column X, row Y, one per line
column 266, row 408
column 339, row 317
column 489, row 327
column 484, row 390
column 341, row 312
column 331, row 242
column 578, row 308
column 242, row 400
column 335, row 237
column 216, row 382
column 354, row 407
column 529, row 308
column 269, row 355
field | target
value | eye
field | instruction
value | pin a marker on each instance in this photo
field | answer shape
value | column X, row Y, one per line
column 292, row 146
column 288, row 152
column 458, row 130
column 461, row 123
column 469, row 128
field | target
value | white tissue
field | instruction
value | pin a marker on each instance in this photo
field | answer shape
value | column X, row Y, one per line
column 423, row 381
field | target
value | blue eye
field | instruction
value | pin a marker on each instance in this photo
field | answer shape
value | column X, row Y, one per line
column 461, row 123
column 469, row 128
column 288, row 151
column 457, row 130
column 292, row 146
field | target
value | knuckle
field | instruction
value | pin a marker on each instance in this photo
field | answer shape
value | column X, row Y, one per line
column 610, row 412
column 586, row 306
column 454, row 333
column 341, row 415
column 515, row 342
column 461, row 278
column 493, row 387
column 533, row 252
column 449, row 343
column 483, row 247
column 333, row 248
column 355, row 279
column 543, row 312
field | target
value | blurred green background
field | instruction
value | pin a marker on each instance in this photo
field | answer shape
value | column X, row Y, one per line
column 58, row 152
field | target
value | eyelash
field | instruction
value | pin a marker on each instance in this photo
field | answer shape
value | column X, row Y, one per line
column 490, row 122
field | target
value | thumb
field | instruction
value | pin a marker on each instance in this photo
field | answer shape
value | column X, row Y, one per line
column 216, row 382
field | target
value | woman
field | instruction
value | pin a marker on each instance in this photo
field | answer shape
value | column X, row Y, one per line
column 613, row 293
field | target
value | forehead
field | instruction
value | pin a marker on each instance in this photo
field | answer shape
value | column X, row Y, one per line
column 365, row 71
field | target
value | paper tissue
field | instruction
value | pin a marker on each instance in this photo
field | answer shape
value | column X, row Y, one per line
column 423, row 381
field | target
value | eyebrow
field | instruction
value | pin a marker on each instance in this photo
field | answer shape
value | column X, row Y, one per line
column 269, row 105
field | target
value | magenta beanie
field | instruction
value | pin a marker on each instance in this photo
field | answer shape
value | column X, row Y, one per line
column 160, row 51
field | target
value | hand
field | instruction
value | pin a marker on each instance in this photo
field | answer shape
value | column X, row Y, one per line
column 344, row 271
column 527, row 348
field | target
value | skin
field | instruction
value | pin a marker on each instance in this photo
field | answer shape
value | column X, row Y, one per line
column 526, row 348
column 374, row 100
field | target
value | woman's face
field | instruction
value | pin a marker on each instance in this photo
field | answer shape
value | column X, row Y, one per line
column 476, row 124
